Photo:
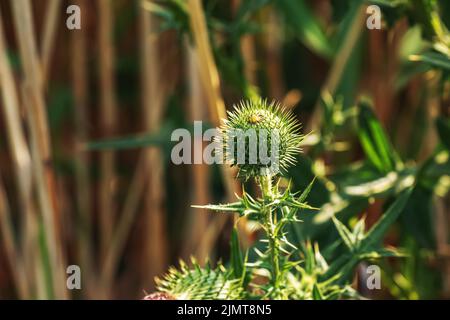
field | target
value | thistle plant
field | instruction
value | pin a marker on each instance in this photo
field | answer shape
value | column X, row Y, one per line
column 281, row 269
column 272, row 125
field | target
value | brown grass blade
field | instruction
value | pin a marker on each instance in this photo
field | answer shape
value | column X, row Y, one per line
column 124, row 224
column 338, row 67
column 12, row 250
column 211, row 82
column 49, row 35
column 39, row 133
column 18, row 149
column 108, row 122
column 152, row 107
column 200, row 173
column 82, row 159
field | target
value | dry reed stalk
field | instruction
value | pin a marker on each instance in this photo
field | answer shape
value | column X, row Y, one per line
column 137, row 187
column 43, row 189
column 108, row 122
column 41, row 290
column 383, row 68
column 41, row 154
column 11, row 249
column 200, row 172
column 292, row 98
column 82, row 159
column 433, row 106
column 338, row 67
column 247, row 46
column 125, row 222
column 273, row 56
column 19, row 152
column 152, row 107
column 208, row 70
column 34, row 258
column 49, row 34
column 211, row 83
column 209, row 77
column 16, row 137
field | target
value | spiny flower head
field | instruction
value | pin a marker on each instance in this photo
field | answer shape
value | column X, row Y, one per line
column 260, row 138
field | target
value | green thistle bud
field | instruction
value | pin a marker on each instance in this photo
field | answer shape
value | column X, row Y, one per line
column 260, row 138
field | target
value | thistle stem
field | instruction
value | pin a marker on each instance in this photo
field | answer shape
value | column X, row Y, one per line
column 266, row 186
column 270, row 227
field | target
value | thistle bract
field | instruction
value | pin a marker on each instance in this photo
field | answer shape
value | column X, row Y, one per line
column 260, row 138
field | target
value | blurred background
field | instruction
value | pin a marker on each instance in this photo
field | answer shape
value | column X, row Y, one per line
column 86, row 117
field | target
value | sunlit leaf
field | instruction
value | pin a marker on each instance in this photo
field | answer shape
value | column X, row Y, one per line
column 374, row 140
column 346, row 235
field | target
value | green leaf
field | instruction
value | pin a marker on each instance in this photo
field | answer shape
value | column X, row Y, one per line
column 341, row 265
column 320, row 260
column 229, row 207
column 173, row 14
column 310, row 261
column 139, row 141
column 372, row 187
column 344, row 232
column 443, row 128
column 388, row 3
column 236, row 257
column 359, row 229
column 411, row 43
column 161, row 138
column 380, row 228
column 349, row 292
column 306, row 26
column 374, row 140
column 317, row 295
column 433, row 59
column 382, row 253
column 248, row 7
column 305, row 193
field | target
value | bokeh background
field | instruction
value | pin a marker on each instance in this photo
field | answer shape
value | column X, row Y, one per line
column 86, row 116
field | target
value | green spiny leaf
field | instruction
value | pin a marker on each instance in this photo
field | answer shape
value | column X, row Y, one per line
column 199, row 283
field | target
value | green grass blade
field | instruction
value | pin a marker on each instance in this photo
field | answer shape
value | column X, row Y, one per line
column 380, row 228
column 306, row 26
column 443, row 128
column 374, row 140
column 433, row 59
column 345, row 233
column 236, row 257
